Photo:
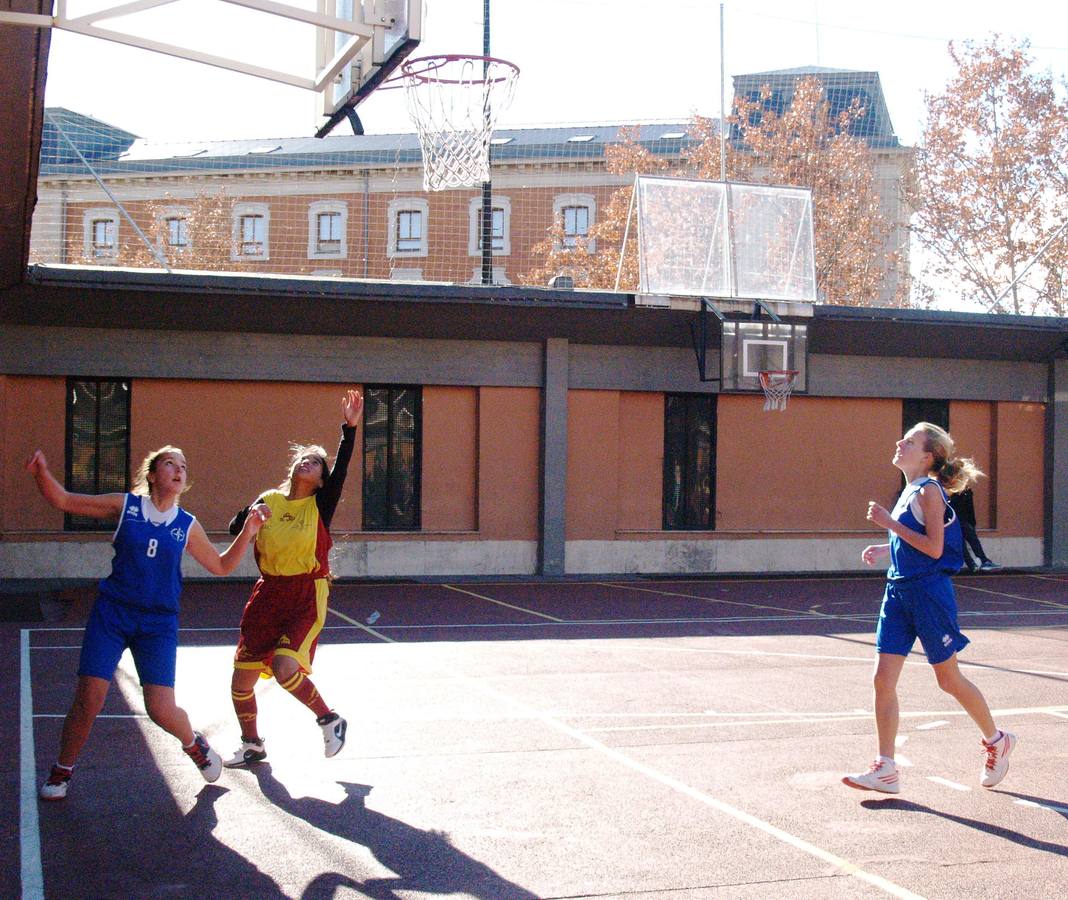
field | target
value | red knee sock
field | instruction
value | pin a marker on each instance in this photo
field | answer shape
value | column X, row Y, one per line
column 301, row 687
column 245, row 707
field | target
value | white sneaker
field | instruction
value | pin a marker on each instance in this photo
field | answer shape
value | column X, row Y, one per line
column 207, row 760
column 881, row 776
column 334, row 728
column 248, row 754
column 55, row 788
column 996, row 766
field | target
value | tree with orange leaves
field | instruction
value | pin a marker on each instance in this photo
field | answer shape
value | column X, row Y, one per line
column 990, row 183
column 800, row 147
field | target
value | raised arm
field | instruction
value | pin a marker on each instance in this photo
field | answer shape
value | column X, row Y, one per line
column 97, row 506
column 329, row 495
column 201, row 549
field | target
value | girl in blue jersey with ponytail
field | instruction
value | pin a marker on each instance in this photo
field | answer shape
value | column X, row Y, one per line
column 924, row 550
column 137, row 605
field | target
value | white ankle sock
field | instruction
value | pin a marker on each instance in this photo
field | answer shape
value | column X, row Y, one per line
column 994, row 738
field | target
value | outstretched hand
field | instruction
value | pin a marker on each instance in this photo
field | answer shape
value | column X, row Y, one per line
column 352, row 407
column 37, row 463
column 259, row 514
column 878, row 515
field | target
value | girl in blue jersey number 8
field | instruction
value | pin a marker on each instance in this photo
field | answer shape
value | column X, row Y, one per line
column 137, row 605
column 924, row 550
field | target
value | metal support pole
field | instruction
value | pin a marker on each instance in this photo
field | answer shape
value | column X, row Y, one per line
column 487, row 186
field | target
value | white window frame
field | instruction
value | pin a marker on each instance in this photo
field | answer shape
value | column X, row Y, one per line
column 327, row 207
column 100, row 214
column 408, row 204
column 164, row 216
column 474, row 218
column 241, row 210
column 561, row 201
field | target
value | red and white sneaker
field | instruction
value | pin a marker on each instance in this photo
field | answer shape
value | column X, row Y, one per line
column 881, row 776
column 55, row 788
column 996, row 765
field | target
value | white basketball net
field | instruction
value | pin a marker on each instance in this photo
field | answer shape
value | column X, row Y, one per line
column 454, row 102
column 777, row 388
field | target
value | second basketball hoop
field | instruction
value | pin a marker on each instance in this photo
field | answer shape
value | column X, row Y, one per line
column 454, row 101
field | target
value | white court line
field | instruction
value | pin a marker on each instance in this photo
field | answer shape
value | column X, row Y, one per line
column 1050, row 603
column 1059, row 715
column 32, row 872
column 945, row 782
column 681, row 787
column 1059, row 809
column 522, row 609
column 927, row 725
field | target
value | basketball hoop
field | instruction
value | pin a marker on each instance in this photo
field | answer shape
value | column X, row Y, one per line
column 777, row 385
column 454, row 101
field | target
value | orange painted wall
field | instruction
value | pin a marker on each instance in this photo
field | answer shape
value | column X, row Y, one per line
column 1019, row 469
column 450, row 459
column 592, row 465
column 641, row 461
column 34, row 417
column 509, row 445
column 236, row 437
column 973, row 427
column 810, row 468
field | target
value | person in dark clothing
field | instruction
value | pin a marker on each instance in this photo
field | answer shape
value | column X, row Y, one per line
column 964, row 505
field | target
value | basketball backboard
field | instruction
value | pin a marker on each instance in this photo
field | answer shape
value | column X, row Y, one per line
column 724, row 240
column 749, row 348
column 356, row 67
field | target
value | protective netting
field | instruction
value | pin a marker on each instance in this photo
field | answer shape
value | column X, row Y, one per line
column 454, row 102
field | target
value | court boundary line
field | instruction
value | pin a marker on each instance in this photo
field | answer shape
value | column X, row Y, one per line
column 31, row 869
column 785, row 837
column 522, row 609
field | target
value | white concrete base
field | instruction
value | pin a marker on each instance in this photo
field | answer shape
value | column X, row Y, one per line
column 754, row 555
column 348, row 559
column 429, row 558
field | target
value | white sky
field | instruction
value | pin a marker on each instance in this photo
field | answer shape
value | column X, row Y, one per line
column 580, row 60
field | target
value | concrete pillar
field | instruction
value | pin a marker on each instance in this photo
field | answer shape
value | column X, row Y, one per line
column 553, row 458
column 1057, row 465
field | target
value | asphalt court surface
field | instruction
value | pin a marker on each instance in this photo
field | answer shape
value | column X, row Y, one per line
column 674, row 738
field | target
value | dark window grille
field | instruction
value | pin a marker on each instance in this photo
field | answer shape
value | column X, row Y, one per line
column 392, row 457
column 934, row 411
column 689, row 462
column 98, row 442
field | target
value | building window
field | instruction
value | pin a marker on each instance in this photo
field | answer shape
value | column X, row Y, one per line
column 251, row 231
column 392, row 457
column 840, row 100
column 177, row 229
column 934, row 411
column 576, row 224
column 101, row 234
column 408, row 219
column 253, row 235
column 689, row 462
column 98, row 442
column 500, row 227
column 409, row 230
column 575, row 213
column 327, row 221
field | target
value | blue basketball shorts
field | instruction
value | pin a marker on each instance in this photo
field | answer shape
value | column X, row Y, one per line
column 151, row 637
column 926, row 609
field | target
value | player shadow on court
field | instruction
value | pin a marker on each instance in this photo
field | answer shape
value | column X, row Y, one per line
column 211, row 863
column 1008, row 834
column 424, row 861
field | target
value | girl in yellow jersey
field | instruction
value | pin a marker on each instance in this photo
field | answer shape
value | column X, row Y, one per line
column 283, row 618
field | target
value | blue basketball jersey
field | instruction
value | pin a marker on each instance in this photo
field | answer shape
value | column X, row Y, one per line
column 906, row 562
column 146, row 572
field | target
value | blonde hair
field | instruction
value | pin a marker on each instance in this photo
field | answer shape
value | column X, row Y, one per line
column 297, row 452
column 954, row 473
column 141, row 485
